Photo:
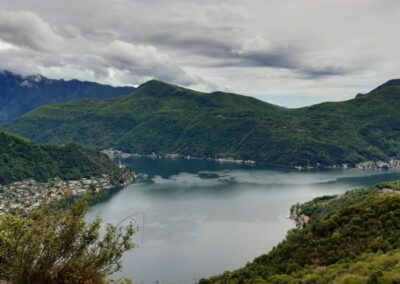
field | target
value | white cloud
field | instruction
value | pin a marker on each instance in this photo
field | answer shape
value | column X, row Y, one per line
column 313, row 49
column 146, row 61
column 33, row 46
column 255, row 44
column 5, row 46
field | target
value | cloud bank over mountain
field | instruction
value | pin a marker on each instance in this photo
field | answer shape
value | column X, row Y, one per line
column 273, row 50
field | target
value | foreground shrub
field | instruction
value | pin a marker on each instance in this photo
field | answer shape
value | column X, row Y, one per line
column 58, row 246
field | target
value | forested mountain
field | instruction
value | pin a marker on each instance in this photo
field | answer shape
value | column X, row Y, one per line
column 21, row 159
column 350, row 238
column 164, row 118
column 20, row 94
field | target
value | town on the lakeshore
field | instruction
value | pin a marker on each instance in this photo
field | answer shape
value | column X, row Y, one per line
column 29, row 194
column 367, row 165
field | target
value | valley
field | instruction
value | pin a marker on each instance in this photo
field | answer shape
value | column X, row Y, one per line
column 199, row 142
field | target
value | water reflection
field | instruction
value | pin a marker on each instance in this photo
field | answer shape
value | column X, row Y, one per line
column 199, row 218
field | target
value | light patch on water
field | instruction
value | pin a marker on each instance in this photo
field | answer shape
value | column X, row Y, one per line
column 199, row 219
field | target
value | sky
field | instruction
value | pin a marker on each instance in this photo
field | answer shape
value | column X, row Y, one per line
column 287, row 52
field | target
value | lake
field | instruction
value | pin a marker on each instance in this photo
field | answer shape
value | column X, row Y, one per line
column 200, row 218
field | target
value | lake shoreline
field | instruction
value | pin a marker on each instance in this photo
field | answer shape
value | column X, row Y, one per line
column 367, row 165
column 115, row 154
column 30, row 194
column 187, row 212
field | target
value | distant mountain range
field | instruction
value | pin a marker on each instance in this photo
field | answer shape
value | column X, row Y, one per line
column 21, row 159
column 164, row 118
column 20, row 94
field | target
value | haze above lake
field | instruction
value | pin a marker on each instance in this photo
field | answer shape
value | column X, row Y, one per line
column 200, row 218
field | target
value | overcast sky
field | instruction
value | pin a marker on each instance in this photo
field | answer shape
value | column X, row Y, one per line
column 288, row 52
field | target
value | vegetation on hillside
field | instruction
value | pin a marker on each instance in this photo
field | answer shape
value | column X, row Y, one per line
column 324, row 205
column 21, row 159
column 344, row 234
column 163, row 118
column 58, row 246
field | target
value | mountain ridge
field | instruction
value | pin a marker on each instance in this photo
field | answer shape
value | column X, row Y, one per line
column 22, row 159
column 20, row 94
column 162, row 118
column 388, row 84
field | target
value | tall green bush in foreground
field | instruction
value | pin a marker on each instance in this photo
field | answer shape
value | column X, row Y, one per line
column 58, row 246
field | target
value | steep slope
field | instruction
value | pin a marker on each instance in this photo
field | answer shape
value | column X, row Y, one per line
column 364, row 128
column 21, row 159
column 19, row 95
column 158, row 118
column 364, row 226
column 163, row 118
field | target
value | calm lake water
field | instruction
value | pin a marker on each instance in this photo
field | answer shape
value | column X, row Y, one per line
column 201, row 218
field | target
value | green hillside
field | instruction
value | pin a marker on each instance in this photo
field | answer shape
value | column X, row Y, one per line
column 164, row 118
column 351, row 238
column 21, row 159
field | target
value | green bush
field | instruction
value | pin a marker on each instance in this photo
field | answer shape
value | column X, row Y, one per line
column 54, row 246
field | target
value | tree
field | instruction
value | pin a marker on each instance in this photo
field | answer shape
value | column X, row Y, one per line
column 50, row 245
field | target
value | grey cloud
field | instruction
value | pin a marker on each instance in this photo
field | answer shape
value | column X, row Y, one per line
column 327, row 71
column 276, row 56
column 284, row 47
column 229, row 46
column 214, row 33
column 147, row 61
column 24, row 28
column 37, row 47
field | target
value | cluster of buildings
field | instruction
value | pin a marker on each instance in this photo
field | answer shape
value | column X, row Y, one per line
column 30, row 194
column 368, row 165
column 116, row 154
column 392, row 164
column 300, row 218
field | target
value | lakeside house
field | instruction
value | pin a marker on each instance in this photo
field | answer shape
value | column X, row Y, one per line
column 30, row 194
